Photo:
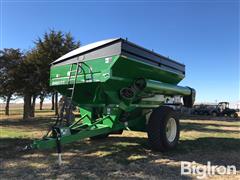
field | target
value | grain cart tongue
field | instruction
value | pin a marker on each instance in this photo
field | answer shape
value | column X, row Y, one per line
column 117, row 85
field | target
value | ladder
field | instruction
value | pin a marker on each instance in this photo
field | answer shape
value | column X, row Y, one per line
column 79, row 69
column 77, row 72
column 67, row 104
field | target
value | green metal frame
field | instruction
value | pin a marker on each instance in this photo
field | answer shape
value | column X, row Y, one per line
column 97, row 84
column 85, row 127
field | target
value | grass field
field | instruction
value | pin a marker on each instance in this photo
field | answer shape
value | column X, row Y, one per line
column 119, row 156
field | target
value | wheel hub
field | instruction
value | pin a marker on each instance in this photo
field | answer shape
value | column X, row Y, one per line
column 171, row 129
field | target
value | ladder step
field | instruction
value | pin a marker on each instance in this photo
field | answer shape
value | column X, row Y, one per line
column 70, row 88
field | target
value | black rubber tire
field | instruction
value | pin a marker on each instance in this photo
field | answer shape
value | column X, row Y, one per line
column 235, row 115
column 99, row 137
column 214, row 114
column 156, row 129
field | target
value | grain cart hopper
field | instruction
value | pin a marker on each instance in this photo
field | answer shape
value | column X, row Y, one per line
column 117, row 85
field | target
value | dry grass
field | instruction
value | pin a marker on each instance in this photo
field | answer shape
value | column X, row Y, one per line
column 119, row 156
column 16, row 111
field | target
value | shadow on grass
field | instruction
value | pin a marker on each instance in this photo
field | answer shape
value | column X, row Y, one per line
column 204, row 128
column 210, row 124
column 220, row 151
column 11, row 147
column 204, row 117
column 35, row 123
column 114, row 158
column 110, row 158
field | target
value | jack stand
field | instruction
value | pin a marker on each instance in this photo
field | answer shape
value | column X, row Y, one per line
column 59, row 159
column 126, row 126
column 59, row 150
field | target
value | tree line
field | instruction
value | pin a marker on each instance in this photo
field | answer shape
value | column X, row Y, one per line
column 26, row 74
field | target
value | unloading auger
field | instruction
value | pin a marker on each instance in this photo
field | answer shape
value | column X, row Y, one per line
column 118, row 85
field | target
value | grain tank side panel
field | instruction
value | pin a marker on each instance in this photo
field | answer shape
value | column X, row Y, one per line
column 133, row 69
column 101, row 68
column 86, row 91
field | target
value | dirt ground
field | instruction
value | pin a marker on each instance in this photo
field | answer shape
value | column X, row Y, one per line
column 125, row 156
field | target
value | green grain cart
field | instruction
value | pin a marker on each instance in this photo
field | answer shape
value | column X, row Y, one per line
column 117, row 85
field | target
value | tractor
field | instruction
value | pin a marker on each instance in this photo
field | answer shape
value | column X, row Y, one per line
column 223, row 109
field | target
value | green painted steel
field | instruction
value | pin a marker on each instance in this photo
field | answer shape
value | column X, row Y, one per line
column 119, row 66
column 165, row 88
column 109, row 77
column 105, row 125
column 107, row 97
